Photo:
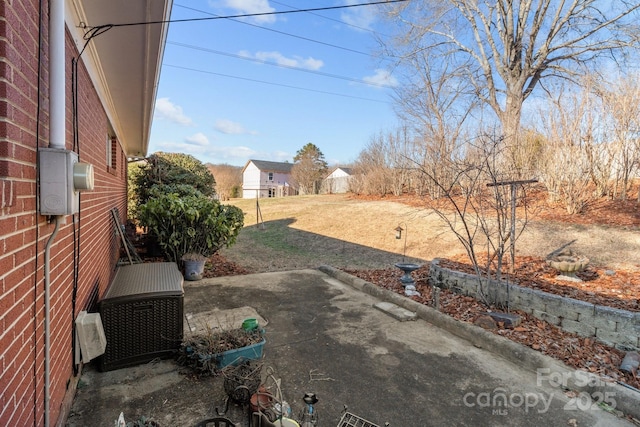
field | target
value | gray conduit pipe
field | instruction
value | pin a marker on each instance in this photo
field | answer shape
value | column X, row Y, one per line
column 57, row 132
column 47, row 320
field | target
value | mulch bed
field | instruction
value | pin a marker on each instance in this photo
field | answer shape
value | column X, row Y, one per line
column 218, row 266
column 601, row 286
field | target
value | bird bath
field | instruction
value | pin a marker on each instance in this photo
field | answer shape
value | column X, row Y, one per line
column 568, row 264
column 407, row 281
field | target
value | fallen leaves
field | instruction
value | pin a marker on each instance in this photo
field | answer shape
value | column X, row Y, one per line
column 218, row 266
column 618, row 289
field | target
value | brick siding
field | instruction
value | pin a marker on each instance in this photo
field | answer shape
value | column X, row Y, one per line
column 24, row 233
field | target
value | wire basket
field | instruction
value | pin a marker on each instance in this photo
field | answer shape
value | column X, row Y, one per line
column 242, row 381
column 350, row 420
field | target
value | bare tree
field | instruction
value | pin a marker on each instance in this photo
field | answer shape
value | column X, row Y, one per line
column 437, row 106
column 506, row 48
column 621, row 107
column 398, row 151
column 479, row 210
column 589, row 108
column 371, row 172
column 385, row 165
column 591, row 147
column 566, row 166
column 228, row 180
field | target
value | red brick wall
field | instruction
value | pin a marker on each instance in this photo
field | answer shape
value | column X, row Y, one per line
column 24, row 233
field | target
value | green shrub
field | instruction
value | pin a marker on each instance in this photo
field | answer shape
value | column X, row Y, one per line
column 134, row 170
column 168, row 172
column 190, row 224
column 181, row 190
column 236, row 191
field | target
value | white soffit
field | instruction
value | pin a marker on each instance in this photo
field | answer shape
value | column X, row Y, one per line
column 123, row 62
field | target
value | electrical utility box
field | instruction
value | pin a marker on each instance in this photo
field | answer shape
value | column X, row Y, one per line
column 61, row 179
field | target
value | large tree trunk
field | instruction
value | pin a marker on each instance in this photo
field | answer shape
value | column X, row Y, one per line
column 510, row 118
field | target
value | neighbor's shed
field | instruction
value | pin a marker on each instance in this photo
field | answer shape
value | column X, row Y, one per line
column 261, row 178
column 338, row 181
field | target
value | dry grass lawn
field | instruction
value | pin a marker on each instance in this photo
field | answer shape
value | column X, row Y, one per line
column 308, row 231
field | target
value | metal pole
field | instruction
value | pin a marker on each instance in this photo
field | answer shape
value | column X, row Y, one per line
column 513, row 228
column 406, row 232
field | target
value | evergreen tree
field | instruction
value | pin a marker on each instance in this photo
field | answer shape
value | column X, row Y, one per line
column 309, row 169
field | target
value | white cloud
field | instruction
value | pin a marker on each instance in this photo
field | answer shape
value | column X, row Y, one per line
column 232, row 128
column 279, row 156
column 253, row 6
column 181, row 147
column 239, row 152
column 239, row 155
column 167, row 110
column 381, row 77
column 361, row 17
column 295, row 61
column 233, row 155
column 199, row 139
column 212, row 153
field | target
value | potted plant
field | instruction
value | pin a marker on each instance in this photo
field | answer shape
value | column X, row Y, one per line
column 190, row 228
column 193, row 265
column 215, row 349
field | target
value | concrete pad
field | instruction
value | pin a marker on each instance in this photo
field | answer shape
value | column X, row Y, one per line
column 397, row 312
column 324, row 336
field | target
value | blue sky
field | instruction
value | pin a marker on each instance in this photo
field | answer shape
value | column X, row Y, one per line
column 221, row 100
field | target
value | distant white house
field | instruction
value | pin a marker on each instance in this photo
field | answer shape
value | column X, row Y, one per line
column 338, row 181
column 261, row 178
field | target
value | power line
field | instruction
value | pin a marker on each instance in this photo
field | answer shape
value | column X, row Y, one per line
column 273, row 84
column 275, row 64
column 328, row 18
column 93, row 29
column 280, row 32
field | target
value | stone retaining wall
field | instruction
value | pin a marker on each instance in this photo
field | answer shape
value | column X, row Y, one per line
column 611, row 326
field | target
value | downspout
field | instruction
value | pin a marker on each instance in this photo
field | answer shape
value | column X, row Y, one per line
column 56, row 75
column 56, row 140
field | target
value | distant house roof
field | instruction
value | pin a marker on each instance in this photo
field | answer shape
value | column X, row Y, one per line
column 265, row 165
column 348, row 171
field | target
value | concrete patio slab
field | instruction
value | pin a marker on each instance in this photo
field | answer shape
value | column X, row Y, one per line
column 325, row 336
